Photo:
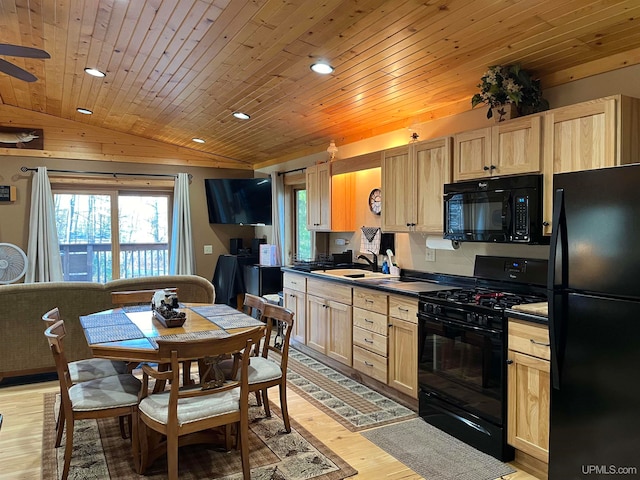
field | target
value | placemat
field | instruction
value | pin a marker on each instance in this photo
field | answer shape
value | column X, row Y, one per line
column 209, row 311
column 190, row 336
column 239, row 320
column 113, row 333
column 104, row 320
column 137, row 308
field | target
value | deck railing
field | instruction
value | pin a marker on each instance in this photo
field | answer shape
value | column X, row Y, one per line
column 92, row 262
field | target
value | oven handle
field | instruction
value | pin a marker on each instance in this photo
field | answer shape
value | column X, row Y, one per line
column 464, row 326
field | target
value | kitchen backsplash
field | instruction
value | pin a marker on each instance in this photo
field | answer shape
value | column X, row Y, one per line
column 411, row 252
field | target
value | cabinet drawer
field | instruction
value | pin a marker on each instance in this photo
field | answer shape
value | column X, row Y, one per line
column 404, row 308
column 330, row 290
column 371, row 341
column 370, row 364
column 374, row 322
column 294, row 281
column 529, row 338
column 370, row 300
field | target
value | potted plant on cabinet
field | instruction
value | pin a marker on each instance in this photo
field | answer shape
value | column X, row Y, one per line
column 510, row 91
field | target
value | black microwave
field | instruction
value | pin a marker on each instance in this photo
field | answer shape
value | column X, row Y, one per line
column 497, row 209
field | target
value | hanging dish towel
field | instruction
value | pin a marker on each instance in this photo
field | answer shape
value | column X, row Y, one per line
column 370, row 240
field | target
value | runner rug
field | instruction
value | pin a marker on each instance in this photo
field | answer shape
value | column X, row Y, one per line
column 99, row 452
column 347, row 401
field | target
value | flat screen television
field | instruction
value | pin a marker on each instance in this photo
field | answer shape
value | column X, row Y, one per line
column 239, row 201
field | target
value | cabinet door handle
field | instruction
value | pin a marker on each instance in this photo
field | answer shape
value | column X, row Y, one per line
column 368, row 364
column 509, row 362
column 403, row 309
column 539, row 343
column 368, row 321
column 485, row 168
column 492, row 167
column 368, row 301
column 545, row 224
column 368, row 341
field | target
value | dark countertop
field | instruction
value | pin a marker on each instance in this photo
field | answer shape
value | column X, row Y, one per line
column 409, row 284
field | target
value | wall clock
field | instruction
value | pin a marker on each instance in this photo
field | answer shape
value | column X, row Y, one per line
column 375, row 201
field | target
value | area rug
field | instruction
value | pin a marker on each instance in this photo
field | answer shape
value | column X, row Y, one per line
column 355, row 406
column 100, row 453
column 434, row 454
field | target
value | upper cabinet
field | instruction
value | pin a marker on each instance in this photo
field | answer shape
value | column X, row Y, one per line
column 594, row 134
column 413, row 177
column 509, row 148
column 319, row 197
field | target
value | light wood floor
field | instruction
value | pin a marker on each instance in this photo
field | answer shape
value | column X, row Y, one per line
column 21, row 437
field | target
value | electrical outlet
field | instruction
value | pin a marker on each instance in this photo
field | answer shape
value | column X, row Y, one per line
column 430, row 256
column 208, row 249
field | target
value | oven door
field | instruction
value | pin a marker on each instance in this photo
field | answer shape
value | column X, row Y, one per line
column 462, row 364
column 478, row 216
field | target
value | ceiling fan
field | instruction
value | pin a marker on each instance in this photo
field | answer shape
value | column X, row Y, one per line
column 19, row 51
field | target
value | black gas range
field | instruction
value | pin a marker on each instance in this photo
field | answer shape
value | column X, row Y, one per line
column 462, row 350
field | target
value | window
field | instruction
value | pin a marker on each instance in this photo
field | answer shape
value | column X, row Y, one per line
column 88, row 223
column 303, row 247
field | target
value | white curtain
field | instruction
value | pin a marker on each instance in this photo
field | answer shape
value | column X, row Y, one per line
column 45, row 262
column 181, row 257
column 277, row 207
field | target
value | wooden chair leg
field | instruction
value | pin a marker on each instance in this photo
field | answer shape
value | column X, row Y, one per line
column 243, row 433
column 265, row 399
column 258, row 398
column 284, row 408
column 172, row 456
column 125, row 430
column 68, row 449
column 135, row 440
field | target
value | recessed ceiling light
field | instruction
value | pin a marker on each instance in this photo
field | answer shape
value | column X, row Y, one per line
column 241, row 115
column 322, row 67
column 84, row 111
column 95, row 72
column 198, row 140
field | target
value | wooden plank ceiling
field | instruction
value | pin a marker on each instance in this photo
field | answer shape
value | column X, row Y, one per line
column 177, row 69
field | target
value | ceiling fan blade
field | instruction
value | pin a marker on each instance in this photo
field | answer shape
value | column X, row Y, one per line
column 19, row 51
column 15, row 71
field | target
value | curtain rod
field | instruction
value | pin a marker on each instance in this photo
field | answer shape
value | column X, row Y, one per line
column 115, row 174
column 291, row 171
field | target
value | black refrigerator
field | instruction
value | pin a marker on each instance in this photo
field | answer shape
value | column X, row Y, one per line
column 594, row 325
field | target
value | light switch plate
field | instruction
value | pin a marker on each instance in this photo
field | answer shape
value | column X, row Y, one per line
column 208, row 249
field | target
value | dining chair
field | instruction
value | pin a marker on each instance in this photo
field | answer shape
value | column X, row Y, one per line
column 112, row 396
column 84, row 370
column 185, row 415
column 253, row 305
column 265, row 372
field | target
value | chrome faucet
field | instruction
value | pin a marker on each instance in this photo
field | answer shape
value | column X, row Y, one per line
column 374, row 263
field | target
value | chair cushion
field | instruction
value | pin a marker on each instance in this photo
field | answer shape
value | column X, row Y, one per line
column 260, row 369
column 92, row 368
column 156, row 406
column 106, row 392
column 263, row 370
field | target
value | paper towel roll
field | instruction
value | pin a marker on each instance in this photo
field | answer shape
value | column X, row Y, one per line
column 439, row 243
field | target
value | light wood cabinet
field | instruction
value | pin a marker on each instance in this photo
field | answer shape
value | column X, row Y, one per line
column 529, row 388
column 509, row 148
column 595, row 134
column 403, row 344
column 318, row 178
column 412, row 185
column 294, row 293
column 329, row 319
column 370, row 317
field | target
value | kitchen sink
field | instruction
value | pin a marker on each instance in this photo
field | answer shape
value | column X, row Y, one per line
column 354, row 273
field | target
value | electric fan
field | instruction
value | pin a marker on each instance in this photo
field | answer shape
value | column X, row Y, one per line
column 19, row 51
column 13, row 263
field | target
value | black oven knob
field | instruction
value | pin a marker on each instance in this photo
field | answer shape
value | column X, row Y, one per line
column 470, row 317
column 429, row 308
column 483, row 320
column 438, row 310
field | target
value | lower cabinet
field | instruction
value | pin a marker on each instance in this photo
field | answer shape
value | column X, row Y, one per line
column 297, row 303
column 529, row 388
column 403, row 345
column 329, row 323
